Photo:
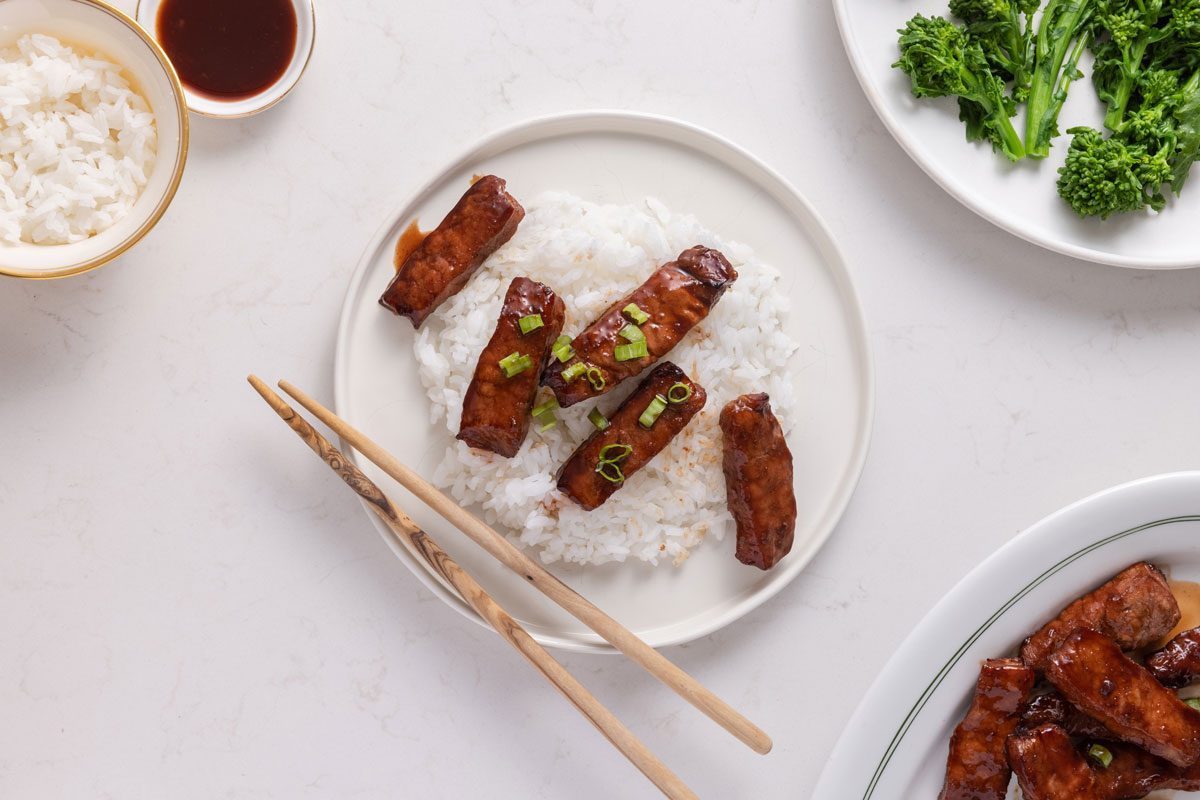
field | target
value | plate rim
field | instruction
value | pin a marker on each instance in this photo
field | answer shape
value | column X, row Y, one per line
column 607, row 119
column 952, row 187
column 895, row 667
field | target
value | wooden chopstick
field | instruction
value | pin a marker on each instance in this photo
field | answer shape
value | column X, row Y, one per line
column 404, row 529
column 508, row 554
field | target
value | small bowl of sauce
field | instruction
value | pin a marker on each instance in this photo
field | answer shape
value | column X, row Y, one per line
column 234, row 57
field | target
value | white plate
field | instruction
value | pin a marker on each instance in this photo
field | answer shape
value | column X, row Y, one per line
column 609, row 156
column 895, row 745
column 1022, row 198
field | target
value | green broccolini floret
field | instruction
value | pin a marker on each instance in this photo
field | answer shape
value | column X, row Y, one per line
column 1102, row 177
column 1004, row 30
column 941, row 60
column 1154, row 144
column 1124, row 30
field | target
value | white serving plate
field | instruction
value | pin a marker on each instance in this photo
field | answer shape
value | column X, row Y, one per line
column 1020, row 198
column 896, row 743
column 610, row 156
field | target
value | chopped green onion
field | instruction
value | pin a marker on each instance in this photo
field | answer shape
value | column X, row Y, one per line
column 574, row 371
column 679, row 393
column 547, row 423
column 611, row 472
column 615, row 452
column 1100, row 754
column 636, row 314
column 1194, row 702
column 610, row 457
column 595, row 378
column 632, row 333
column 628, row 352
column 530, row 323
column 562, row 349
column 514, row 364
column 598, row 419
column 653, row 411
column 546, row 407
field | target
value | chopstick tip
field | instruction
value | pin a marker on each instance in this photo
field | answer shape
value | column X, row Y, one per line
column 256, row 382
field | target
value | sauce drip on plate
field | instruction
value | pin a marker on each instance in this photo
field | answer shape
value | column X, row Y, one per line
column 228, row 49
column 409, row 240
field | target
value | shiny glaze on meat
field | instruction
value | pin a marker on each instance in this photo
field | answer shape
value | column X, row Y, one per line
column 578, row 478
column 676, row 297
column 440, row 266
column 1094, row 675
column 1133, row 773
column 1048, row 767
column 977, row 768
column 1178, row 662
column 1135, row 609
column 758, row 480
column 1052, row 707
column 496, row 408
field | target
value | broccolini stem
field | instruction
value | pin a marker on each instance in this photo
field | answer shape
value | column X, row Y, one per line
column 1014, row 148
column 1060, row 27
column 1129, row 78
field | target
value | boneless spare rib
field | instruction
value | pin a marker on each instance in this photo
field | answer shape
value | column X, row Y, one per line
column 496, row 409
column 440, row 266
column 652, row 318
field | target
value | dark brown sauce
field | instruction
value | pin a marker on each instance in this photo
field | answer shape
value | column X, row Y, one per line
column 228, row 49
column 409, row 240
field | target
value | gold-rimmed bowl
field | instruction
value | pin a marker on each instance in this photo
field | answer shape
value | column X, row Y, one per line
column 95, row 26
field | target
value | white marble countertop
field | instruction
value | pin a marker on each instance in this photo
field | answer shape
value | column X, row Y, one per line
column 191, row 607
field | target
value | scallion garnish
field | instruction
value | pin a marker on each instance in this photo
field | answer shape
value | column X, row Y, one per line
column 562, row 349
column 514, row 364
column 1100, row 754
column 547, row 424
column 609, row 465
column 679, row 393
column 611, row 472
column 597, row 418
column 530, row 323
column 653, row 411
column 636, row 314
column 574, row 371
column 1194, row 702
column 628, row 352
column 595, row 378
column 632, row 333
column 546, row 407
column 615, row 452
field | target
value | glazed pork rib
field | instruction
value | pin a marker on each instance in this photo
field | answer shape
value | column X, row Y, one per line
column 1178, row 662
column 1133, row 773
column 1135, row 609
column 1048, row 767
column 1052, row 707
column 496, row 408
column 584, row 479
column 1094, row 675
column 484, row 218
column 977, row 768
column 674, row 299
column 758, row 480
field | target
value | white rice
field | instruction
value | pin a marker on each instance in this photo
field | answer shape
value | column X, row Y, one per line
column 591, row 255
column 76, row 143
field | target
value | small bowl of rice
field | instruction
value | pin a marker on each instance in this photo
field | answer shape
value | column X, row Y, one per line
column 93, row 136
